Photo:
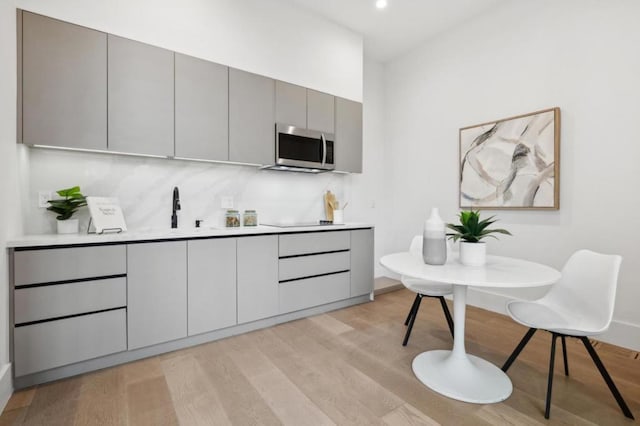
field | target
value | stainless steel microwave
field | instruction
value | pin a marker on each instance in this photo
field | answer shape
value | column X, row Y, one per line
column 303, row 150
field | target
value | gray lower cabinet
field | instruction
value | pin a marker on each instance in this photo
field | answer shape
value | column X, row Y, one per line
column 211, row 284
column 201, row 109
column 50, row 344
column 156, row 292
column 46, row 266
column 362, row 257
column 320, row 111
column 257, row 277
column 348, row 136
column 314, row 269
column 251, row 118
column 140, row 101
column 64, row 84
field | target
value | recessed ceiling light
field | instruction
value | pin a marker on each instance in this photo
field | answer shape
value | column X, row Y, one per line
column 381, row 4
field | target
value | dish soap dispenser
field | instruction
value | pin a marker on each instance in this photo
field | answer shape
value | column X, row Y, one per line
column 434, row 240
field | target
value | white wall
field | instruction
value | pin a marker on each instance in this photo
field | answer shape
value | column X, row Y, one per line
column 580, row 55
column 9, row 211
column 266, row 37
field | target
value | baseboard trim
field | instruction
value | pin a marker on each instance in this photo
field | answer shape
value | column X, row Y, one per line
column 620, row 333
column 388, row 289
column 6, row 387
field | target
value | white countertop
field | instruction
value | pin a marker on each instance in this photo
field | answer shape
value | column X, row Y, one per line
column 44, row 240
column 498, row 272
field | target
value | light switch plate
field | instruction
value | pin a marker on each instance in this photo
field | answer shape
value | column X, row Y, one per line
column 226, row 202
column 43, row 197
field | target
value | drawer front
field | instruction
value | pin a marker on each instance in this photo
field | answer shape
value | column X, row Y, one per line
column 313, row 242
column 52, row 301
column 316, row 264
column 42, row 266
column 302, row 294
column 46, row 345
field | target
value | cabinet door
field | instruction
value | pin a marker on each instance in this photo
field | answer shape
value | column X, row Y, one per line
column 291, row 104
column 320, row 111
column 251, row 118
column 257, row 278
column 348, row 143
column 211, row 284
column 156, row 292
column 202, row 109
column 140, row 98
column 361, row 262
column 64, row 77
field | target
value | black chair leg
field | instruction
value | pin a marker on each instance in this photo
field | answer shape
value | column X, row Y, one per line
column 447, row 314
column 552, row 358
column 606, row 377
column 412, row 320
column 519, row 349
column 413, row 307
column 564, row 356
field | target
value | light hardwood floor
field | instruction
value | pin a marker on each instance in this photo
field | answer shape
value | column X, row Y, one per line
column 344, row 367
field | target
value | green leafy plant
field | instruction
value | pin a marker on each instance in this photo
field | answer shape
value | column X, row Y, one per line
column 471, row 229
column 67, row 206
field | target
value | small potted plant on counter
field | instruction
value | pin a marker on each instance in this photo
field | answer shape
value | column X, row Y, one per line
column 66, row 207
column 471, row 230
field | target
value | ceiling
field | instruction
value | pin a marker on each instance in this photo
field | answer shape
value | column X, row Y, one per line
column 403, row 25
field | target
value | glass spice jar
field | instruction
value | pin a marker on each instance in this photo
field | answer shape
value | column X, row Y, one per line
column 250, row 218
column 232, row 219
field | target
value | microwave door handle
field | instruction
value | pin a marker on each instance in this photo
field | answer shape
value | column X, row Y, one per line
column 324, row 149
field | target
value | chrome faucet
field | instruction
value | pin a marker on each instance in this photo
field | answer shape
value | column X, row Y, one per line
column 176, row 207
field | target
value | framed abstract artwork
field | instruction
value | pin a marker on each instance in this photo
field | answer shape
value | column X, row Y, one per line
column 513, row 163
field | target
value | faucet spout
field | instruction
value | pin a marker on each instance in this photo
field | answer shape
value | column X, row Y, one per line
column 176, row 207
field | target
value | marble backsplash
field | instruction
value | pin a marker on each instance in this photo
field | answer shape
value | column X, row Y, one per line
column 144, row 187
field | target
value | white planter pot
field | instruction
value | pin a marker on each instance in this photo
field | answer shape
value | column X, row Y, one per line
column 69, row 226
column 473, row 254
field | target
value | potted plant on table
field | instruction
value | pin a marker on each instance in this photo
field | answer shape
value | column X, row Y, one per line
column 471, row 230
column 66, row 207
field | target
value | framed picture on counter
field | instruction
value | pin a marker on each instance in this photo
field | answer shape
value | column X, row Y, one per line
column 512, row 163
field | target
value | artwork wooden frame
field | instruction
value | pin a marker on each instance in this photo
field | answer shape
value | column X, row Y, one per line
column 512, row 163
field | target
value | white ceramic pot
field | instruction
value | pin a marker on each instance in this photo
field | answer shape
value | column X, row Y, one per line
column 69, row 226
column 473, row 254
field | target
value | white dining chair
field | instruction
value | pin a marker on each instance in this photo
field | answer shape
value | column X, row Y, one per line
column 422, row 289
column 579, row 305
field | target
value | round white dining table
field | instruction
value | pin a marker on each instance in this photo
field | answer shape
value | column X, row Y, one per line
column 456, row 373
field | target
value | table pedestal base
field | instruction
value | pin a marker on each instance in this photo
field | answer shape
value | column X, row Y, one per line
column 462, row 376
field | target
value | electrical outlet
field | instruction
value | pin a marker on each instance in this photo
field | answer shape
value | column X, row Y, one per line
column 43, row 197
column 226, row 202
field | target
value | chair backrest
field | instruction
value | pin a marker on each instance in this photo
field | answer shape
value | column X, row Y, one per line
column 588, row 287
column 416, row 245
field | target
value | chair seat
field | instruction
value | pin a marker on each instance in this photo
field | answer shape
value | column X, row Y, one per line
column 547, row 317
column 428, row 288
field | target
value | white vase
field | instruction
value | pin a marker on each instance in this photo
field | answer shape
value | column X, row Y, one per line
column 473, row 254
column 69, row 226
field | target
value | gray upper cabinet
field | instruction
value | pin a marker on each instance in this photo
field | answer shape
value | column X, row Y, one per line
column 251, row 118
column 202, row 111
column 64, row 77
column 140, row 98
column 320, row 111
column 305, row 108
column 156, row 293
column 257, row 278
column 291, row 104
column 348, row 136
